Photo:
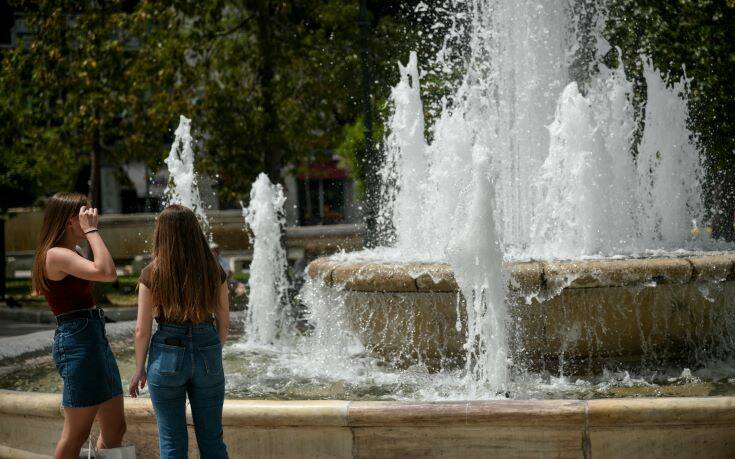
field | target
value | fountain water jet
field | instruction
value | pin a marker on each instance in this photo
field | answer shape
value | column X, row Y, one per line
column 267, row 318
column 182, row 185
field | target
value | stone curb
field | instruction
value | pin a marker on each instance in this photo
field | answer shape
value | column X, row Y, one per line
column 665, row 427
column 533, row 276
column 620, row 412
column 40, row 316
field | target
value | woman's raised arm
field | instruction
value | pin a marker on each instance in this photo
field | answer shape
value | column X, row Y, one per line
column 61, row 261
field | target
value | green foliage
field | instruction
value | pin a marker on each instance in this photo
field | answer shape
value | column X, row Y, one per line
column 102, row 76
column 353, row 142
column 80, row 84
column 114, row 78
column 316, row 91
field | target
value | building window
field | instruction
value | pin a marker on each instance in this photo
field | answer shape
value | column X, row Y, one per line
column 324, row 193
column 321, row 201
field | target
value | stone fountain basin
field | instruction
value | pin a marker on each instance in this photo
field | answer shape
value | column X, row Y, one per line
column 618, row 310
column 559, row 294
column 670, row 427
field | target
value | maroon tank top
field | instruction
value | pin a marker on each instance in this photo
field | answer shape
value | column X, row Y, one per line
column 69, row 294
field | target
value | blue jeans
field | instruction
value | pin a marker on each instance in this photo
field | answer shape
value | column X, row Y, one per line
column 85, row 362
column 187, row 360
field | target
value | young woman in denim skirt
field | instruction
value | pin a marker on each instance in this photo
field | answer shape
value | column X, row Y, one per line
column 186, row 291
column 82, row 354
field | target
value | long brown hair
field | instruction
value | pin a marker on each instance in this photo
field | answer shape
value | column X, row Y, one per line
column 184, row 275
column 60, row 208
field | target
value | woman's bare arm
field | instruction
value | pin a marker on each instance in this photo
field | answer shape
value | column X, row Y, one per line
column 61, row 261
column 222, row 313
column 143, row 333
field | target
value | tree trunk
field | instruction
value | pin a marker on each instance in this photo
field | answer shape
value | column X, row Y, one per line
column 270, row 137
column 94, row 177
column 3, row 274
column 368, row 159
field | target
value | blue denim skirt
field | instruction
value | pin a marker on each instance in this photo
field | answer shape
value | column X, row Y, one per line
column 85, row 362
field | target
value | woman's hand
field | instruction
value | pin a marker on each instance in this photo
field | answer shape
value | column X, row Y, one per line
column 88, row 218
column 137, row 383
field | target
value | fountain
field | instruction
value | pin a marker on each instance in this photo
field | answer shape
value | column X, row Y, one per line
column 533, row 234
column 182, row 186
column 268, row 300
column 545, row 287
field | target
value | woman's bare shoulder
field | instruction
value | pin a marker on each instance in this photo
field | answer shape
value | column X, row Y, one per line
column 57, row 258
column 60, row 253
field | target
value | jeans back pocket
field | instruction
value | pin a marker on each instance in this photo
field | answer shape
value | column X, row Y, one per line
column 165, row 359
column 212, row 358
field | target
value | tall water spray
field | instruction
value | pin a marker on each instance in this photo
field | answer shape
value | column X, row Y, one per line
column 567, row 180
column 526, row 163
column 182, row 185
column 267, row 315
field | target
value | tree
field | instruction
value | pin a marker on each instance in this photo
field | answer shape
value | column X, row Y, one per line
column 279, row 81
column 267, row 83
column 80, row 92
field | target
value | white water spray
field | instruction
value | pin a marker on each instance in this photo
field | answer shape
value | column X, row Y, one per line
column 526, row 165
column 476, row 259
column 567, row 181
column 267, row 317
column 182, row 185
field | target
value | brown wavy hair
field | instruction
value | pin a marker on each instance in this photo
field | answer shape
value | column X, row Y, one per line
column 60, row 208
column 184, row 276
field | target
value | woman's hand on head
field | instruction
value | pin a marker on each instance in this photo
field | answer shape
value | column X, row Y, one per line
column 88, row 218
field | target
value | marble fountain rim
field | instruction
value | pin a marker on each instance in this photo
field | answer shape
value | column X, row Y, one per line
column 360, row 429
column 346, row 413
column 527, row 276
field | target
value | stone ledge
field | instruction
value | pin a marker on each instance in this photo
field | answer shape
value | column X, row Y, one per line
column 613, row 412
column 285, row 413
column 680, row 427
column 713, row 268
column 615, row 273
column 25, row 403
column 372, row 277
column 520, row 413
column 661, row 411
column 533, row 276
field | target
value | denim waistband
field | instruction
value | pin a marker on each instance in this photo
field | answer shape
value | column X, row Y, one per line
column 186, row 328
column 87, row 313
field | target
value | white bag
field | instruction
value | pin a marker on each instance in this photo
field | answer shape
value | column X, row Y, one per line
column 123, row 452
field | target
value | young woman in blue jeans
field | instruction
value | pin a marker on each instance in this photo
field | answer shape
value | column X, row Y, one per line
column 185, row 289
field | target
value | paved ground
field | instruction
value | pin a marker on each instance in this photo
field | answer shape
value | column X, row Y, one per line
column 14, row 328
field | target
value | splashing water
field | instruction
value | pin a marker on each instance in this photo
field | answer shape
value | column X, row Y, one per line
column 267, row 318
column 477, row 262
column 567, row 182
column 182, row 185
column 526, row 163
